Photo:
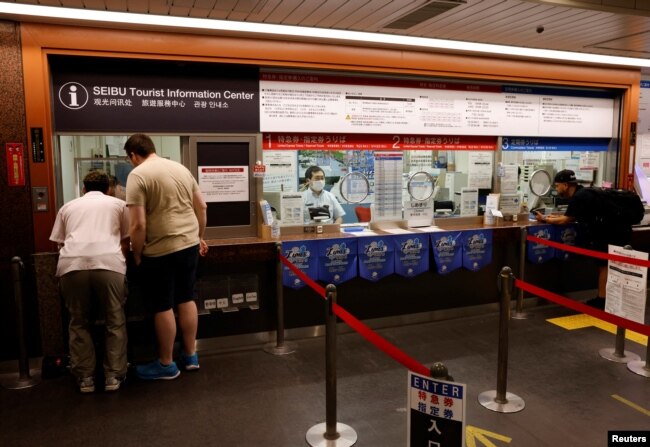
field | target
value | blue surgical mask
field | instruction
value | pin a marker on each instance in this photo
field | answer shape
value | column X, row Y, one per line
column 317, row 185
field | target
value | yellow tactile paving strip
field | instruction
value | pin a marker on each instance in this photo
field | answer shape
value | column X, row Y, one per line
column 581, row 321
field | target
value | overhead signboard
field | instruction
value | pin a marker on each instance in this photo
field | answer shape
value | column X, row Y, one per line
column 555, row 144
column 347, row 104
column 96, row 94
column 376, row 142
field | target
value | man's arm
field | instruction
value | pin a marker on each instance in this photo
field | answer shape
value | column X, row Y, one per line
column 125, row 245
column 555, row 219
column 137, row 230
column 200, row 209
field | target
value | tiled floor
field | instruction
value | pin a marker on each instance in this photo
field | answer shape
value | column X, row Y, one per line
column 251, row 398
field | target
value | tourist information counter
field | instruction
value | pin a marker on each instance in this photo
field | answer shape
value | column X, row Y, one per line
column 237, row 286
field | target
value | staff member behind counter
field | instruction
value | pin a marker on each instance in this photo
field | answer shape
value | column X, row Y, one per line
column 320, row 206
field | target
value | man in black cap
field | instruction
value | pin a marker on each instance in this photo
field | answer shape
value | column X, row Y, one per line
column 584, row 208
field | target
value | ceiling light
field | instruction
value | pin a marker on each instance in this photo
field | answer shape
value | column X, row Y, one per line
column 26, row 12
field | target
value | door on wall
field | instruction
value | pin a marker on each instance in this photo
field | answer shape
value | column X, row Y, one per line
column 223, row 166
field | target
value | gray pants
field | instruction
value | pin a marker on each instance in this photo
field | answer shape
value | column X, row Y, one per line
column 84, row 290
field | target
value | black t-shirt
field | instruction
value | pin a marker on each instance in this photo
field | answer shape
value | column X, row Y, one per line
column 595, row 231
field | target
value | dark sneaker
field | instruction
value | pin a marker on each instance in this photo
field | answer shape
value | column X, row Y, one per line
column 113, row 383
column 86, row 385
column 597, row 303
column 157, row 371
column 190, row 362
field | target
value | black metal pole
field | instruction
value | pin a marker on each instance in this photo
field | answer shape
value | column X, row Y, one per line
column 280, row 297
column 522, row 268
column 330, row 366
column 504, row 318
column 17, row 268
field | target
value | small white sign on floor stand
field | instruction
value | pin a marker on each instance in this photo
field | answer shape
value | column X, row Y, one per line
column 626, row 285
column 436, row 415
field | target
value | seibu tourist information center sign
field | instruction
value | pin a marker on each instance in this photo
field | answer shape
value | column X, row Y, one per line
column 130, row 95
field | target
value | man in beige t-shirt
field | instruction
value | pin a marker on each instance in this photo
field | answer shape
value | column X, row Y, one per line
column 167, row 221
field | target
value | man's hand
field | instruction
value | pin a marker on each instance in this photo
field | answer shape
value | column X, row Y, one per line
column 540, row 217
column 203, row 248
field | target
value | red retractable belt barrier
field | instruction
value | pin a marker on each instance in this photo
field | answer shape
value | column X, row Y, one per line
column 363, row 330
column 576, row 305
column 583, row 308
column 591, row 253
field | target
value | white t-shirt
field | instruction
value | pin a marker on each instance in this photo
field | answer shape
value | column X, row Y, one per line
column 91, row 229
column 309, row 200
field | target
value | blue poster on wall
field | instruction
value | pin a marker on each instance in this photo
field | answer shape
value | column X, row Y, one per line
column 564, row 234
column 411, row 254
column 447, row 251
column 304, row 256
column 477, row 249
column 540, row 253
column 337, row 260
column 376, row 257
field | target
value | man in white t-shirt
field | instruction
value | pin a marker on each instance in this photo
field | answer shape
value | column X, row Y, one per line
column 320, row 205
column 93, row 235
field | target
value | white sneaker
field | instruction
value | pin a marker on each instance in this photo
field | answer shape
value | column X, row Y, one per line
column 113, row 383
column 86, row 385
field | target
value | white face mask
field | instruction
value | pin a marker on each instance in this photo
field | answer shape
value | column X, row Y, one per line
column 317, row 185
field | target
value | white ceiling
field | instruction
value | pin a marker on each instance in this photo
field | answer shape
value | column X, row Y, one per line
column 609, row 27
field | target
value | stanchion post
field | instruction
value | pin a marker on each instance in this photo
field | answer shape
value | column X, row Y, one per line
column 500, row 400
column 519, row 313
column 330, row 366
column 619, row 354
column 24, row 379
column 640, row 367
column 331, row 433
column 280, row 347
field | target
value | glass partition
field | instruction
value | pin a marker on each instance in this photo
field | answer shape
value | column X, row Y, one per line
column 501, row 171
column 79, row 154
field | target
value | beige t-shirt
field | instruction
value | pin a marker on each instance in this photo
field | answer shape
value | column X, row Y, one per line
column 165, row 188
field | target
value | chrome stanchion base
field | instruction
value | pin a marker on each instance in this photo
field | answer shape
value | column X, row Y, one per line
column 284, row 349
column 316, row 436
column 19, row 383
column 519, row 315
column 514, row 403
column 639, row 367
column 610, row 354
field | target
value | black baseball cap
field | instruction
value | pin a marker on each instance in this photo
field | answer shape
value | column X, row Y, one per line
column 565, row 176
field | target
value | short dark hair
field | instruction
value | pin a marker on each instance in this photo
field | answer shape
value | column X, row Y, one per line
column 309, row 173
column 139, row 144
column 96, row 180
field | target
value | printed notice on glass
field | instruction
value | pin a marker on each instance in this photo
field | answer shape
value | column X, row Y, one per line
column 469, row 202
column 281, row 168
column 510, row 179
column 626, row 285
column 589, row 160
column 292, row 209
column 479, row 172
column 224, row 183
column 388, row 186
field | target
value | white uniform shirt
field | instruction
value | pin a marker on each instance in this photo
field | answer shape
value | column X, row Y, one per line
column 91, row 229
column 310, row 200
